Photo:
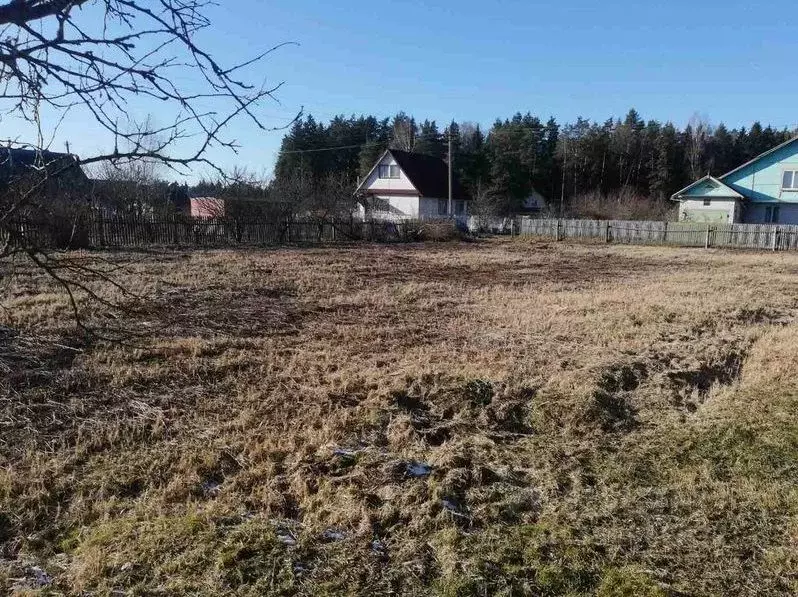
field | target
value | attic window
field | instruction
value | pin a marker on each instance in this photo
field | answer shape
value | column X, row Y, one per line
column 389, row 171
column 789, row 180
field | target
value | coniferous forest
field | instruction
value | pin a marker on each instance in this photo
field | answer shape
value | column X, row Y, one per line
column 646, row 161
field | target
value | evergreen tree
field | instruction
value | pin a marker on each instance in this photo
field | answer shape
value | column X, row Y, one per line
column 430, row 141
column 664, row 178
column 522, row 153
column 370, row 152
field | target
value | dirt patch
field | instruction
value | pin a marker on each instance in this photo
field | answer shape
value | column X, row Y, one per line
column 28, row 361
column 550, row 265
column 242, row 312
column 691, row 386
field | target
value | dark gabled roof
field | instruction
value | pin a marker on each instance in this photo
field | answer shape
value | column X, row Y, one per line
column 18, row 162
column 429, row 175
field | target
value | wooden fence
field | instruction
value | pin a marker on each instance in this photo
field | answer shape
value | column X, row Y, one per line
column 99, row 231
column 748, row 236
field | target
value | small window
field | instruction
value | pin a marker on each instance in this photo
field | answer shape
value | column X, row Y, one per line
column 388, row 171
column 707, row 202
column 789, row 180
column 443, row 207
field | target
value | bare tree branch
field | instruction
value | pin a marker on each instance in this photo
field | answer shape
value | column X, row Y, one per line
column 102, row 59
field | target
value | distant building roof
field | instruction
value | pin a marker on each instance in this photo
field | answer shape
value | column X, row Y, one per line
column 428, row 174
column 18, row 162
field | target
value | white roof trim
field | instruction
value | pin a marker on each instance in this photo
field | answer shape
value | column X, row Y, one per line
column 374, row 167
column 679, row 195
column 760, row 156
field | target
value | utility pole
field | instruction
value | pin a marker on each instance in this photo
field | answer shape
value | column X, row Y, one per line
column 564, row 168
column 449, row 208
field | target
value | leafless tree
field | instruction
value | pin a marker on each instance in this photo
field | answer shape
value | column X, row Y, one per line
column 328, row 198
column 404, row 132
column 132, row 186
column 102, row 59
column 699, row 131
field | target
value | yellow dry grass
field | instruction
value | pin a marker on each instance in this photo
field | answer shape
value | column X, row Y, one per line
column 595, row 420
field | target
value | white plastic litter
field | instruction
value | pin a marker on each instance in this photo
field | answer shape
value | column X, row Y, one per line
column 333, row 535
column 41, row 577
column 378, row 546
column 418, row 469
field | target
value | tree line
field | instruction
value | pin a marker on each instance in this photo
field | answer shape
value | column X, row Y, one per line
column 645, row 160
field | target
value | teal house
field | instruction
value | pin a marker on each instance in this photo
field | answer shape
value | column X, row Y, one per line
column 762, row 191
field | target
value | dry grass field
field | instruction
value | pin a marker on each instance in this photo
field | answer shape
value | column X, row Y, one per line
column 497, row 418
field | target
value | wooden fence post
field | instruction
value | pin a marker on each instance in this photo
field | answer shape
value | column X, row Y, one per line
column 665, row 233
column 607, row 232
column 558, row 230
column 706, row 239
column 775, row 238
column 512, row 227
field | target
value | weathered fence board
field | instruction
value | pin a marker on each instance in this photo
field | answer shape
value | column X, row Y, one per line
column 102, row 231
column 772, row 237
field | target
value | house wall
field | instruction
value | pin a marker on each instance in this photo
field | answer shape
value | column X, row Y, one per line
column 761, row 181
column 726, row 211
column 429, row 209
column 388, row 184
column 754, row 213
column 400, row 207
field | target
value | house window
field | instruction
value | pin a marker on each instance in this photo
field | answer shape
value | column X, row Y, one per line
column 443, row 207
column 707, row 202
column 459, row 208
column 389, row 171
column 789, row 180
column 772, row 214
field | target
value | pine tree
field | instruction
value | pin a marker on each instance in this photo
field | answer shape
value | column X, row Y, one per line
column 430, row 141
column 370, row 152
column 664, row 178
column 521, row 153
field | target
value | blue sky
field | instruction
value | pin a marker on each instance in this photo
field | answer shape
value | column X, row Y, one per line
column 471, row 60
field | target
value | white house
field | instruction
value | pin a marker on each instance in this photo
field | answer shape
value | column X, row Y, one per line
column 403, row 186
column 534, row 203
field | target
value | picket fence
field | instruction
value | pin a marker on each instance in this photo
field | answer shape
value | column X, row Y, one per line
column 748, row 236
column 100, row 231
